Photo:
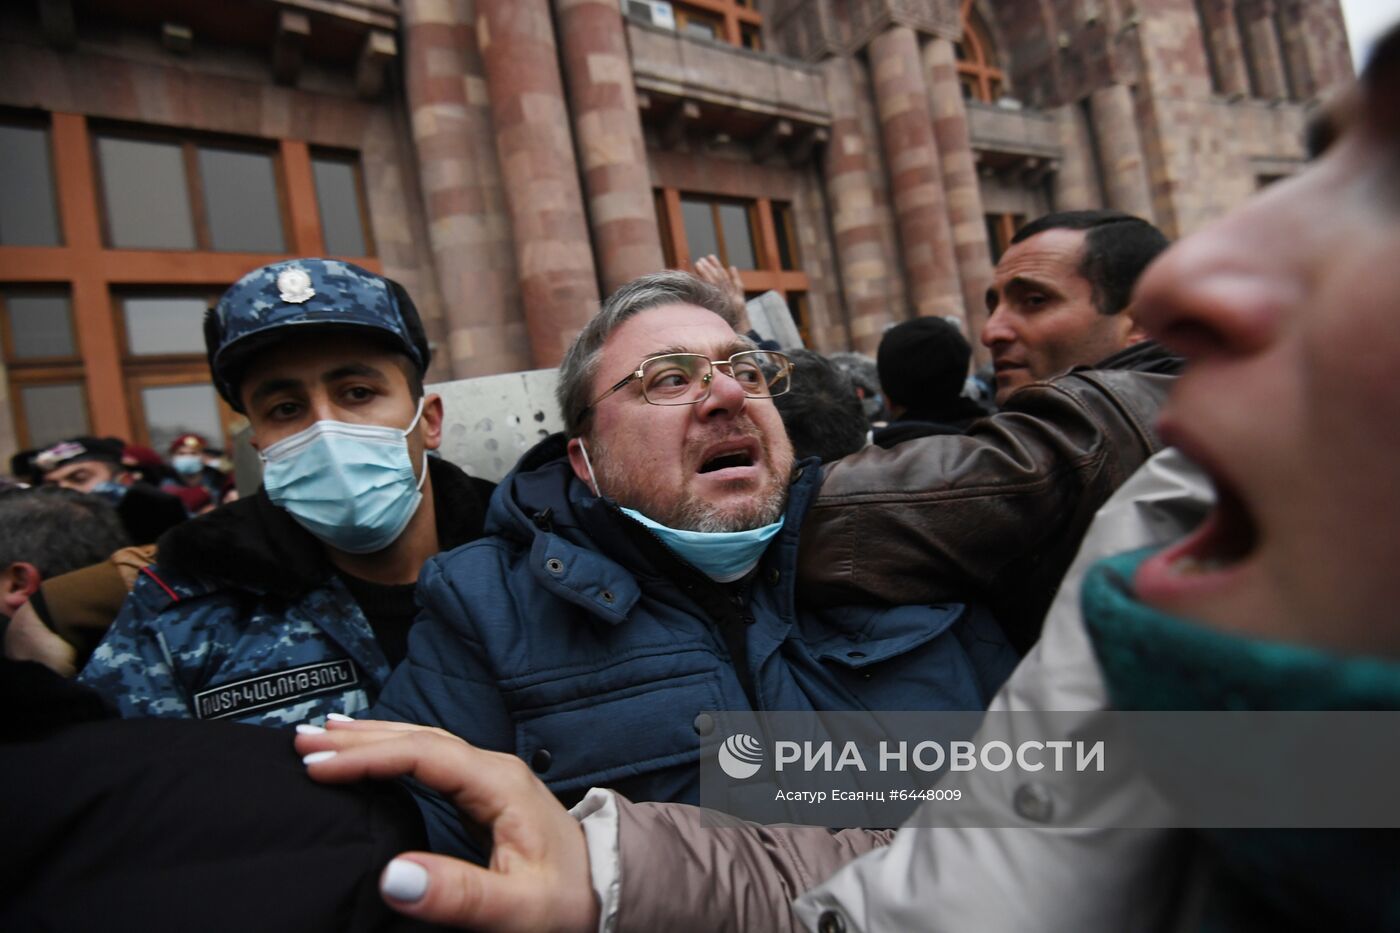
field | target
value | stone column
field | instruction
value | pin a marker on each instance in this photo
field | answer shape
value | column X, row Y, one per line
column 608, row 127
column 965, row 214
column 1260, row 35
column 850, row 167
column 916, row 176
column 1299, row 48
column 553, row 256
column 1120, row 150
column 1222, row 38
column 1077, row 186
column 468, row 228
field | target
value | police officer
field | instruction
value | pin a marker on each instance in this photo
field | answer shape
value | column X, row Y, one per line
column 296, row 602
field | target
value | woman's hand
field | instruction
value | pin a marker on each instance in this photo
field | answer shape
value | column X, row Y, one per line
column 538, row 878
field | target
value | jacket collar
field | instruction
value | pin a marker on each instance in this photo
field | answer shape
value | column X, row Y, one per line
column 1145, row 356
column 253, row 545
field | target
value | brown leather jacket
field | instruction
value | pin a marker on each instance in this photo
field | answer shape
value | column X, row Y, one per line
column 994, row 515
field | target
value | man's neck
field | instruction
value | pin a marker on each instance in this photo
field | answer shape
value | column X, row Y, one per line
column 401, row 561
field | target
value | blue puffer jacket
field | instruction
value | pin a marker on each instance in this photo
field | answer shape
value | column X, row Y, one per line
column 244, row 618
column 571, row 637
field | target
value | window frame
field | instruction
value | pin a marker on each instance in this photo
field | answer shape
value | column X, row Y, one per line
column 731, row 15
column 357, row 169
column 39, row 120
column 166, row 375
column 189, row 145
column 23, row 373
column 769, row 274
column 977, row 66
column 91, row 272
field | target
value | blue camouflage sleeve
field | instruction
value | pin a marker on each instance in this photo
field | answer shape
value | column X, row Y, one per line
column 133, row 668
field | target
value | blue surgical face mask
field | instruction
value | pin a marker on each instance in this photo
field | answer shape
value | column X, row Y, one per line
column 351, row 485
column 110, row 490
column 723, row 556
column 187, row 464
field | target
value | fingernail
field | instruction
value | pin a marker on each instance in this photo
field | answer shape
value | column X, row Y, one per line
column 404, row 880
column 339, row 717
column 317, row 757
column 307, row 728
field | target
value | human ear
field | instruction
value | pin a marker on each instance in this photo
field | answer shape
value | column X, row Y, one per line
column 579, row 462
column 18, row 582
column 431, row 422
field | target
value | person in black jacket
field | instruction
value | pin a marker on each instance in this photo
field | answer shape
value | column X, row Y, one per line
column 95, row 465
column 923, row 366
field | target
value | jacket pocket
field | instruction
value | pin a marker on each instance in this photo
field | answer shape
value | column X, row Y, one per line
column 903, row 658
column 870, row 636
column 606, row 738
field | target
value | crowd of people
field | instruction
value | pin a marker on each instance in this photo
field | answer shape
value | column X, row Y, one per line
column 1176, row 493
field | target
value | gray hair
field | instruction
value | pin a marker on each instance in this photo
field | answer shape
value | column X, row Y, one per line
column 57, row 530
column 580, row 366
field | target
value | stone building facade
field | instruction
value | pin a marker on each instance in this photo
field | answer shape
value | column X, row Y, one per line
column 511, row 161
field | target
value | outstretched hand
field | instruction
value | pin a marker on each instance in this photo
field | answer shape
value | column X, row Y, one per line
column 710, row 269
column 538, row 878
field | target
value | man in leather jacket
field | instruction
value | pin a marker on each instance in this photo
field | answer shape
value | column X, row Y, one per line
column 996, row 515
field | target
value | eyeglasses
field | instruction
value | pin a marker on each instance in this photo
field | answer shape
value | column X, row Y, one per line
column 686, row 378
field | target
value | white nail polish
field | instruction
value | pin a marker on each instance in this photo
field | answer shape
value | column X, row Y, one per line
column 316, row 757
column 404, row 880
column 339, row 717
column 307, row 728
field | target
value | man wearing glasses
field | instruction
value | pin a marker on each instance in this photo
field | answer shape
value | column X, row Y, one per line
column 640, row 575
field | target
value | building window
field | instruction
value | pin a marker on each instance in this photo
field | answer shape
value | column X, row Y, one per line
column 28, row 208
column 168, row 406
column 161, row 325
column 733, row 21
column 340, row 198
column 1000, row 229
column 700, row 23
column 756, row 235
column 41, row 357
column 721, row 228
column 978, row 72
column 785, row 229
column 241, row 201
column 164, row 364
column 161, row 194
column 102, row 330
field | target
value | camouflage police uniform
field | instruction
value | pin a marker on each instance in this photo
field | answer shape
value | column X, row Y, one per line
column 198, row 649
column 243, row 616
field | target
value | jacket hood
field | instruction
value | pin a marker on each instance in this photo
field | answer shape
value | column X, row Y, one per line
column 252, row 544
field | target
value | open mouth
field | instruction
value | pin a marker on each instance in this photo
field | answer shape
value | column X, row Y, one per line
column 1226, row 538
column 724, row 461
column 1211, row 556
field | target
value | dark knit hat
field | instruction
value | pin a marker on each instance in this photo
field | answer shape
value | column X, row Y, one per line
column 923, row 362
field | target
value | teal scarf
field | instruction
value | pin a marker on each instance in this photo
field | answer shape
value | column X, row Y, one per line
column 1265, row 880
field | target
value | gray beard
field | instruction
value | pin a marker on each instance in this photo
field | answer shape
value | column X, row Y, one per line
column 691, row 513
column 698, row 515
